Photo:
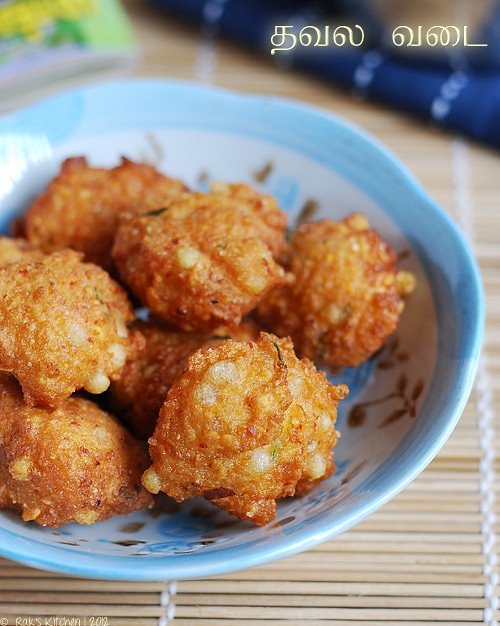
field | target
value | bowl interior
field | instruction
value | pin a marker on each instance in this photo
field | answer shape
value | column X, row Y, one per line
column 403, row 403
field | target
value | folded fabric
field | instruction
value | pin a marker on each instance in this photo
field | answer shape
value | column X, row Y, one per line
column 459, row 95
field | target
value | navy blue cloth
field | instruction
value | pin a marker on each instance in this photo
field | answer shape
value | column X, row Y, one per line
column 464, row 98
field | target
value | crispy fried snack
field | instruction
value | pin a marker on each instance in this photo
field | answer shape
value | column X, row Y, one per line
column 63, row 327
column 243, row 197
column 76, row 463
column 198, row 262
column 243, row 425
column 81, row 206
column 346, row 297
column 139, row 393
column 12, row 250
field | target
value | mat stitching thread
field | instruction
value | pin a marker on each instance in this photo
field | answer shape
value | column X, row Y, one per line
column 487, row 483
column 206, row 59
column 167, row 601
column 365, row 72
column 463, row 205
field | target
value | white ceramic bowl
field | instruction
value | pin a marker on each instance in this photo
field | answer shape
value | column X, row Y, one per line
column 404, row 402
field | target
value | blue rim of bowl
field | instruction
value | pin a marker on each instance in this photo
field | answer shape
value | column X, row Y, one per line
column 445, row 403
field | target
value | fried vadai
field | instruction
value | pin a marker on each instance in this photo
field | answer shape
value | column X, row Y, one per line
column 346, row 296
column 263, row 206
column 81, row 206
column 137, row 396
column 74, row 463
column 245, row 423
column 197, row 262
column 63, row 326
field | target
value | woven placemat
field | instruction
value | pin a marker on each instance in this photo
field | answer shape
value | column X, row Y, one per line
column 427, row 557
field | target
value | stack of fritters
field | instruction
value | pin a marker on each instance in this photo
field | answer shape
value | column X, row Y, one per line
column 232, row 413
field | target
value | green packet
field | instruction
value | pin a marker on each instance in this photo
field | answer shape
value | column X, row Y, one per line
column 42, row 40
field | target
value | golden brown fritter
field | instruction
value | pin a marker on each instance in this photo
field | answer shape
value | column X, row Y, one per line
column 243, row 425
column 81, row 206
column 75, row 463
column 139, row 393
column 346, row 297
column 63, row 326
column 12, row 250
column 244, row 198
column 198, row 262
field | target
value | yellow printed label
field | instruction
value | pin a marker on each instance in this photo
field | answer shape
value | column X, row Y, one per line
column 29, row 18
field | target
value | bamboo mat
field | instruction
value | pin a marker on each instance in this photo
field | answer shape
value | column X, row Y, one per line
column 430, row 555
